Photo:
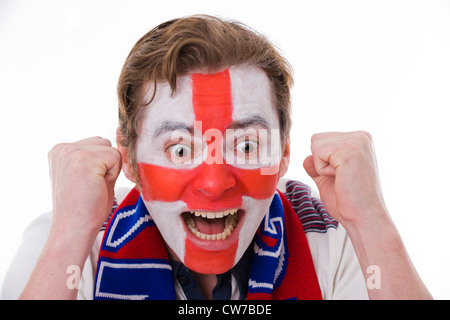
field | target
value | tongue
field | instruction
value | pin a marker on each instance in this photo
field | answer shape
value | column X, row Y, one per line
column 210, row 226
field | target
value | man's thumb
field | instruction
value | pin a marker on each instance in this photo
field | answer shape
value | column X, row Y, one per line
column 310, row 169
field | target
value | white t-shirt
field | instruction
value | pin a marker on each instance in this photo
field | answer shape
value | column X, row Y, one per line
column 335, row 262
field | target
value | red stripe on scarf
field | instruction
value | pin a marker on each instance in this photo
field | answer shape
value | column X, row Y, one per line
column 147, row 244
column 300, row 281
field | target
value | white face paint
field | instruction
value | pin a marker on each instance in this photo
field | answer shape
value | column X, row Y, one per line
column 165, row 115
column 208, row 211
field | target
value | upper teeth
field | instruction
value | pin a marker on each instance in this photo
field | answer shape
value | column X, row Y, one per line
column 230, row 223
column 214, row 215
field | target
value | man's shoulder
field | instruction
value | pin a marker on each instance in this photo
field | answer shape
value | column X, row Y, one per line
column 331, row 249
column 308, row 207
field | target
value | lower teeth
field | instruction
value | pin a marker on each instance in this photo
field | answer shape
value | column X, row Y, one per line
column 230, row 223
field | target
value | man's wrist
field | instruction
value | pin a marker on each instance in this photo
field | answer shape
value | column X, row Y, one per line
column 372, row 219
column 71, row 241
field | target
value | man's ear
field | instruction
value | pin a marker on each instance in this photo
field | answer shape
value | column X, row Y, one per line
column 285, row 158
column 127, row 167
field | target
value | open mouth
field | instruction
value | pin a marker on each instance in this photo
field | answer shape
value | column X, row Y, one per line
column 212, row 225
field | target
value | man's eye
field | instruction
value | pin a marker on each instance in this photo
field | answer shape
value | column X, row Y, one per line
column 246, row 146
column 180, row 151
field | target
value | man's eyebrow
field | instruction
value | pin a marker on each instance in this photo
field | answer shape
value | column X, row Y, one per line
column 249, row 122
column 169, row 126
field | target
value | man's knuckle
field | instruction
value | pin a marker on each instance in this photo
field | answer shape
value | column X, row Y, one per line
column 79, row 158
column 364, row 136
column 57, row 150
column 317, row 136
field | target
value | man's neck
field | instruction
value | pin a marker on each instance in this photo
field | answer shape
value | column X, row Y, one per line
column 207, row 282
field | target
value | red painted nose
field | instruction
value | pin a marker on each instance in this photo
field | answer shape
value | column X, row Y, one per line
column 213, row 180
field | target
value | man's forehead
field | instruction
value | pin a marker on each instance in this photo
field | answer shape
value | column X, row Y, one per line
column 216, row 99
column 212, row 100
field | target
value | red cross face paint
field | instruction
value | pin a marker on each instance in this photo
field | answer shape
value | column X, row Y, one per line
column 201, row 158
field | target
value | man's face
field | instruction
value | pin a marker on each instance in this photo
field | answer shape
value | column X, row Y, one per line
column 201, row 157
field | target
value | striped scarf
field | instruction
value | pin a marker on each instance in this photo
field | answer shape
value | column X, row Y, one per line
column 134, row 264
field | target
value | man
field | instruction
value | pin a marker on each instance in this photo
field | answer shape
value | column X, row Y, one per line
column 204, row 111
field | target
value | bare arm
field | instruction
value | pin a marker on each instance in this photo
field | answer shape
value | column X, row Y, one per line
column 83, row 176
column 343, row 165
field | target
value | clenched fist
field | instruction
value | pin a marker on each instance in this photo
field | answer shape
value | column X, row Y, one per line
column 83, row 175
column 344, row 167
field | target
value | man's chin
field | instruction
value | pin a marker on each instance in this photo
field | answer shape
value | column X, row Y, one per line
column 209, row 262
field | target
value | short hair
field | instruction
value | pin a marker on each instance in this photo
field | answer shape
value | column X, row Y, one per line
column 200, row 42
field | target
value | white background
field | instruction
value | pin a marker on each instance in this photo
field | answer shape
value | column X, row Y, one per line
column 379, row 66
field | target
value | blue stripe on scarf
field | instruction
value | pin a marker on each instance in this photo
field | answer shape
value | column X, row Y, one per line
column 134, row 279
column 270, row 257
column 127, row 223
